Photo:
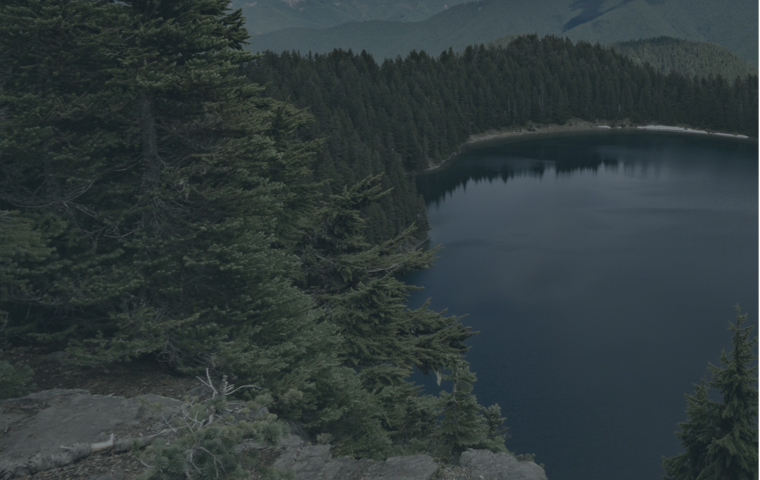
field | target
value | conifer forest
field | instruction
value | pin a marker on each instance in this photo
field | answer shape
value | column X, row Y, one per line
column 167, row 194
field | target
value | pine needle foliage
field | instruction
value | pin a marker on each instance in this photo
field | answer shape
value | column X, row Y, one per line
column 720, row 438
column 358, row 285
column 465, row 424
column 211, row 441
column 153, row 173
column 15, row 380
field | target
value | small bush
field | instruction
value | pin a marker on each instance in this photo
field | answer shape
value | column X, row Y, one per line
column 211, row 441
column 15, row 380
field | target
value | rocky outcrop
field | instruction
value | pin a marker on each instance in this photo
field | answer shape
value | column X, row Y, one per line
column 313, row 462
column 482, row 464
column 53, row 428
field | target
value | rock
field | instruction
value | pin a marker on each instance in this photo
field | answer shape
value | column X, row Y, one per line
column 483, row 464
column 155, row 406
column 202, row 392
column 410, row 467
column 115, row 475
column 292, row 442
column 344, row 468
column 315, row 462
column 311, row 461
column 35, row 427
column 66, row 417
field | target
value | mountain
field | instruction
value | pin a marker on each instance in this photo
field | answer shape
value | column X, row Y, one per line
column 732, row 25
column 264, row 16
column 667, row 54
column 702, row 59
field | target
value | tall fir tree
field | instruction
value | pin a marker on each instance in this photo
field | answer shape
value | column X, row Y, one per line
column 464, row 423
column 358, row 285
column 154, row 172
column 720, row 437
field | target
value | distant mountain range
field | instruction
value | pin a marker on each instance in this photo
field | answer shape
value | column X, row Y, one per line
column 732, row 25
column 264, row 16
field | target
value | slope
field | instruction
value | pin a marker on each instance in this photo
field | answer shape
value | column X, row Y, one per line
column 734, row 28
column 457, row 27
column 266, row 16
column 666, row 54
column 478, row 22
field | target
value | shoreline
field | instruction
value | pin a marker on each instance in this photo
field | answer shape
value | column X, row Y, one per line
column 573, row 125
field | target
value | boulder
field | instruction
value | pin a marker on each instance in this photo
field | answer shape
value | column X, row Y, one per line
column 315, row 462
column 486, row 465
column 34, row 428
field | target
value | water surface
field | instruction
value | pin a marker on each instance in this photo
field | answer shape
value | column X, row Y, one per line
column 601, row 270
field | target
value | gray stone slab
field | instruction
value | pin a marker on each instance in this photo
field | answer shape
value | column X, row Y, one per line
column 293, row 441
column 410, row 467
column 157, row 407
column 344, row 468
column 288, row 458
column 61, row 417
column 487, row 465
column 307, row 462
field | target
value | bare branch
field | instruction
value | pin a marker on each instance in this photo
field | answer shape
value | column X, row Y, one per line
column 392, row 267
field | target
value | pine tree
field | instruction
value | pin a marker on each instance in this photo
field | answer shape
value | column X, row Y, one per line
column 720, row 438
column 357, row 285
column 20, row 244
column 154, row 172
column 465, row 424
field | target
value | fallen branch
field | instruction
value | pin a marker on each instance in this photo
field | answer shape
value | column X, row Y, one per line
column 71, row 453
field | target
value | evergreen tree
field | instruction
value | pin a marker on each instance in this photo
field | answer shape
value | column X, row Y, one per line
column 720, row 438
column 20, row 244
column 154, row 173
column 358, row 286
column 465, row 424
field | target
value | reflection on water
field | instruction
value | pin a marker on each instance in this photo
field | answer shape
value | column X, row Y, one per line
column 564, row 154
column 601, row 271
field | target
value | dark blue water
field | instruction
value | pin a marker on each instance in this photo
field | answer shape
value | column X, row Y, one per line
column 601, row 270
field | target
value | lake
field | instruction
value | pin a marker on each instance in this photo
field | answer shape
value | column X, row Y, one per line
column 601, row 270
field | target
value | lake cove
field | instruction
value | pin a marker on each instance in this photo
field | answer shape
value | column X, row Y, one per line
column 601, row 270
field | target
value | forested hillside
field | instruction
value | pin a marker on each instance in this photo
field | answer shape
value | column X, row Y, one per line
column 732, row 26
column 666, row 54
column 407, row 114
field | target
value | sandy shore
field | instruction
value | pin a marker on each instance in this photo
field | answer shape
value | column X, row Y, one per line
column 666, row 128
column 577, row 125
column 535, row 129
column 573, row 125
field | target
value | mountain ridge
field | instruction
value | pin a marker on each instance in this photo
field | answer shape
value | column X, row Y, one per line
column 265, row 16
column 480, row 22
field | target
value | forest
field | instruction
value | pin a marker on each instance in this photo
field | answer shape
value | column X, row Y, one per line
column 406, row 115
column 166, row 194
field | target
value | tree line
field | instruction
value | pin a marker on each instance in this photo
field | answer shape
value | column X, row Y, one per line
column 407, row 114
